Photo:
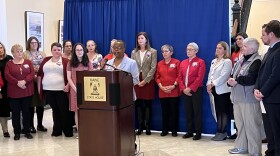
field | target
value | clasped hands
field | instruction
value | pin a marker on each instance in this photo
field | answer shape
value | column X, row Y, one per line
column 258, row 95
column 232, row 82
column 21, row 84
column 187, row 91
column 167, row 89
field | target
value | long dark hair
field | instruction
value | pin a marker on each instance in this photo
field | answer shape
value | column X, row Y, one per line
column 148, row 45
column 74, row 62
column 244, row 35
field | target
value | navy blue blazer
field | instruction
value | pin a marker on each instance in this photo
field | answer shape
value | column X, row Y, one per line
column 268, row 81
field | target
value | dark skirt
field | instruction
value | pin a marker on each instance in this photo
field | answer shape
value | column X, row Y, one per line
column 222, row 102
column 146, row 92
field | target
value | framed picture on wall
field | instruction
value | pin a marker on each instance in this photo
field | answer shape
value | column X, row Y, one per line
column 60, row 31
column 34, row 25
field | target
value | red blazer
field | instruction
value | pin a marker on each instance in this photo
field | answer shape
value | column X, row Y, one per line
column 197, row 69
column 168, row 74
column 41, row 72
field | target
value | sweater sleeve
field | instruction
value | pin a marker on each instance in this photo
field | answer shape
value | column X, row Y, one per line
column 251, row 78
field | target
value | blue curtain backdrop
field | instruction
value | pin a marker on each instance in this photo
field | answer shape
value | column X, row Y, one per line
column 174, row 22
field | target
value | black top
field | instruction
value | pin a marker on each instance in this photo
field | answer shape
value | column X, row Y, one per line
column 253, row 71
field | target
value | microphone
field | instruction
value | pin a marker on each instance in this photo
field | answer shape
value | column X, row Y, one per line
column 114, row 68
column 104, row 63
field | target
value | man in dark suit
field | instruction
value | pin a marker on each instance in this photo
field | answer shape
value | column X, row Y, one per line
column 267, row 87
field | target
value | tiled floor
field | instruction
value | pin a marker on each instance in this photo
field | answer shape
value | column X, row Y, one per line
column 44, row 145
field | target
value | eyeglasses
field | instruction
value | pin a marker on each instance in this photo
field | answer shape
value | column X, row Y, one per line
column 190, row 49
column 33, row 42
column 117, row 48
column 79, row 50
column 165, row 51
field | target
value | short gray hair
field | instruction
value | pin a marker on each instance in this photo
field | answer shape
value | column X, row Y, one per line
column 194, row 45
column 253, row 43
column 169, row 47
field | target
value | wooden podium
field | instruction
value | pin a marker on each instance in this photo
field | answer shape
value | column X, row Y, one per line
column 106, row 113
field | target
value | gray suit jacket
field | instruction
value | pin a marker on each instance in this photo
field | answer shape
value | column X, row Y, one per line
column 149, row 64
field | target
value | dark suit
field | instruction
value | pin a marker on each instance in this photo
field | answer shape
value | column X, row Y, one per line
column 268, row 83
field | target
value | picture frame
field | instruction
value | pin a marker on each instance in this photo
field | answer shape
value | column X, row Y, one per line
column 34, row 25
column 60, row 32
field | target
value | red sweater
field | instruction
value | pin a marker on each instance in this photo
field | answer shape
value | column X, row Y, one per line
column 41, row 72
column 197, row 69
column 13, row 74
column 168, row 74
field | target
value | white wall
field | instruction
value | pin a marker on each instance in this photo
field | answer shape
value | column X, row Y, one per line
column 15, row 10
column 262, row 11
column 3, row 23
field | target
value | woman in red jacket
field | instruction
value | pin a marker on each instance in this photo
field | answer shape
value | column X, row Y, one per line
column 192, row 72
column 167, row 76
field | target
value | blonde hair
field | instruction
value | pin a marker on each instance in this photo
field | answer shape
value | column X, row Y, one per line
column 15, row 47
column 226, row 48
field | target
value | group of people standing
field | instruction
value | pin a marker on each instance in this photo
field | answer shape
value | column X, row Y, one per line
column 30, row 80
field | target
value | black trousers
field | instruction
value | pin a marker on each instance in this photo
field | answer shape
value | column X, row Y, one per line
column 59, row 103
column 193, row 108
column 169, row 107
column 271, row 121
column 144, row 109
column 20, row 105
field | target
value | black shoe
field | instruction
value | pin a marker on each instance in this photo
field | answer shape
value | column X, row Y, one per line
column 32, row 130
column 232, row 136
column 187, row 135
column 264, row 140
column 139, row 132
column 56, row 135
column 174, row 134
column 41, row 128
column 197, row 137
column 28, row 136
column 6, row 134
column 148, row 132
column 164, row 133
column 17, row 137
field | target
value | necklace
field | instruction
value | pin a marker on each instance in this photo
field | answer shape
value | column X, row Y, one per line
column 20, row 68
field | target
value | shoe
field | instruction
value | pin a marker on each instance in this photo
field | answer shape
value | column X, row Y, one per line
column 139, row 132
column 28, row 136
column 32, row 130
column 148, row 130
column 216, row 135
column 17, row 137
column 55, row 135
column 264, row 140
column 221, row 137
column 238, row 151
column 197, row 137
column 233, row 136
column 174, row 134
column 164, row 133
column 187, row 135
column 255, row 154
column 6, row 134
column 42, row 128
